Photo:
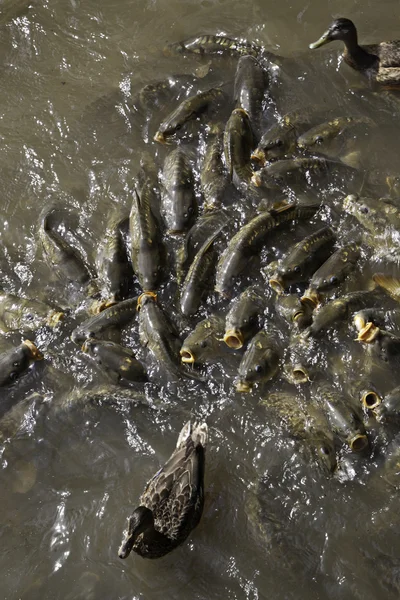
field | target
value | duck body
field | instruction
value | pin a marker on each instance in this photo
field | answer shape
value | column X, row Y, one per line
column 172, row 502
column 379, row 62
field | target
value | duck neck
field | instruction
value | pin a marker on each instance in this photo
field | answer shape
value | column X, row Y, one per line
column 355, row 54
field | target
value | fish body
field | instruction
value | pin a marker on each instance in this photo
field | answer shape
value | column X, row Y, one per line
column 113, row 264
column 26, row 314
column 145, row 245
column 251, row 81
column 332, row 272
column 213, row 177
column 290, row 308
column 259, row 362
column 389, row 409
column 338, row 310
column 381, row 219
column 196, row 282
column 189, row 109
column 178, row 200
column 290, row 172
column 66, row 261
column 306, row 423
column 158, row 334
column 249, row 240
column 116, row 316
column 342, row 416
column 212, row 44
column 303, row 260
column 337, row 137
column 15, row 362
column 116, row 359
column 238, row 143
column 244, row 317
column 204, row 341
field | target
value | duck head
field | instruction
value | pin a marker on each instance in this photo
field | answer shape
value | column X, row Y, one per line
column 341, row 29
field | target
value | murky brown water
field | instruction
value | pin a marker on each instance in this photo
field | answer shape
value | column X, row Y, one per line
column 273, row 525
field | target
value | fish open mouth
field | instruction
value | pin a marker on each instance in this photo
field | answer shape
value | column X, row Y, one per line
column 310, row 298
column 160, row 138
column 370, row 399
column 54, row 318
column 243, row 386
column 143, row 296
column 276, row 285
column 259, row 156
column 234, row 339
column 368, row 333
column 359, row 322
column 33, row 350
column 99, row 305
column 256, row 180
column 358, row 442
column 300, row 374
column 187, row 356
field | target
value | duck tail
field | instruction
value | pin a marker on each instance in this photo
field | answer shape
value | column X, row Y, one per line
column 198, row 433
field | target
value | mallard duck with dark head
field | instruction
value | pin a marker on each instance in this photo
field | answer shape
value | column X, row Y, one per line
column 172, row 502
column 379, row 62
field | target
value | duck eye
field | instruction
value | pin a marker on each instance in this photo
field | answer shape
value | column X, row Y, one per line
column 258, row 368
column 333, row 280
column 364, row 210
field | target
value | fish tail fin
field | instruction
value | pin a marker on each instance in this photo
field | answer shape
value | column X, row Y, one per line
column 389, row 283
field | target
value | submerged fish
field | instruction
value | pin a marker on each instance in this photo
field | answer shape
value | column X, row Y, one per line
column 196, row 283
column 210, row 44
column 66, row 261
column 290, row 172
column 251, row 82
column 145, row 243
column 191, row 108
column 158, row 334
column 238, row 143
column 342, row 416
column 115, row 359
column 303, row 260
column 15, row 362
column 178, row 200
column 249, row 240
column 332, row 272
column 381, row 219
column 338, row 137
column 307, row 423
column 213, row 177
column 115, row 316
column 26, row 314
column 113, row 265
column 280, row 140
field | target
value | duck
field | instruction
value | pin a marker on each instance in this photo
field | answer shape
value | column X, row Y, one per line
column 171, row 504
column 379, row 62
